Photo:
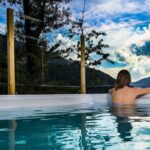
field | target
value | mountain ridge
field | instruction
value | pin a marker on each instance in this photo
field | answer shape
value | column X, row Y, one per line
column 61, row 72
column 143, row 83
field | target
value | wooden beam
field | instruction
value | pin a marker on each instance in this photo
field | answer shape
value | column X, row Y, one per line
column 10, row 51
column 83, row 77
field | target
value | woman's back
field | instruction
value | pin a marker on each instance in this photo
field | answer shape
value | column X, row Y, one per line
column 125, row 95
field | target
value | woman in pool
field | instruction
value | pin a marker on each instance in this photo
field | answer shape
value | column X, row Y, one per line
column 123, row 99
column 123, row 93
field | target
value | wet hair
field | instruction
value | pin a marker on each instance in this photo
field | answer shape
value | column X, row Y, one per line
column 123, row 79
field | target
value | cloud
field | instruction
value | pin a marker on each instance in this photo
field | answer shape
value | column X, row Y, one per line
column 76, row 8
column 143, row 50
column 126, row 36
column 120, row 42
column 127, row 29
column 138, row 67
column 128, row 40
column 115, row 8
column 5, row 4
column 2, row 28
column 66, row 43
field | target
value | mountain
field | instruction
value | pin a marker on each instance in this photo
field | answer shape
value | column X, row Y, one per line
column 67, row 73
column 144, row 83
column 59, row 76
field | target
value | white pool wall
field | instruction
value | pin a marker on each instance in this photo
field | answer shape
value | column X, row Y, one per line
column 50, row 100
column 14, row 107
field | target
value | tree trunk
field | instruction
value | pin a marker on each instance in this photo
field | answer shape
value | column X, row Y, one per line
column 31, row 44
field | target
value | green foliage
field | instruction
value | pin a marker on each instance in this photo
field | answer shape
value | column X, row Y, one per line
column 3, row 64
column 35, row 66
column 36, row 18
column 94, row 45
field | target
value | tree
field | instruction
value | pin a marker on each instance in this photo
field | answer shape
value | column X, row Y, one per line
column 37, row 18
column 93, row 46
column 40, row 17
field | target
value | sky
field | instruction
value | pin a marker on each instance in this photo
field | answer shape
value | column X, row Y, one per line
column 127, row 25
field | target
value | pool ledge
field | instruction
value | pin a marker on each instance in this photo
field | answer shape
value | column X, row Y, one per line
column 50, row 100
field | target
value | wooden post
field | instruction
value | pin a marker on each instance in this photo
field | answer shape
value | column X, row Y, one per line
column 83, row 79
column 10, row 51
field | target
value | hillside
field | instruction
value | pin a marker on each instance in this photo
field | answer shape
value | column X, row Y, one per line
column 63, row 72
column 145, row 83
column 60, row 74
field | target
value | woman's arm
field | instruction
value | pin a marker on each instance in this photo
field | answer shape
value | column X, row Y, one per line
column 140, row 91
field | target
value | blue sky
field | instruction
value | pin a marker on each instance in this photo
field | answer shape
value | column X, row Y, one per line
column 127, row 25
column 3, row 14
column 2, row 19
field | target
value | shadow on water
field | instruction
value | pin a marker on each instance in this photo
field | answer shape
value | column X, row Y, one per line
column 123, row 121
column 123, row 116
column 124, row 128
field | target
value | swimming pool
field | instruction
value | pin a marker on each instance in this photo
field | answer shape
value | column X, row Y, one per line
column 72, row 122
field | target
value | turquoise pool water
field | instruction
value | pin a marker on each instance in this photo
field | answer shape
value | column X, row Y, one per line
column 109, row 128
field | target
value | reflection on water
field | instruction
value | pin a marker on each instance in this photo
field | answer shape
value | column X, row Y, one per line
column 109, row 127
column 124, row 127
column 7, row 134
column 11, row 136
column 123, row 114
